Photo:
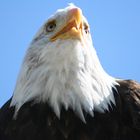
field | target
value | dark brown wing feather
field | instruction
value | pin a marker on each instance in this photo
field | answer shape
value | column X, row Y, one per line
column 38, row 121
column 129, row 92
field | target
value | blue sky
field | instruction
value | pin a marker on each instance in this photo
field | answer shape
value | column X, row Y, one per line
column 115, row 28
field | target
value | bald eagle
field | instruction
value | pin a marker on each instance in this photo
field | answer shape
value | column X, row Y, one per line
column 63, row 93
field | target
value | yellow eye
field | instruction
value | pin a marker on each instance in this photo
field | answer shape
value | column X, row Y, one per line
column 50, row 26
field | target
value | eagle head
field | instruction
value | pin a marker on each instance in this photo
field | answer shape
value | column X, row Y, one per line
column 61, row 67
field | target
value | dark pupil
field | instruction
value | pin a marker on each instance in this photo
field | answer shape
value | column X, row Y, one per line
column 51, row 26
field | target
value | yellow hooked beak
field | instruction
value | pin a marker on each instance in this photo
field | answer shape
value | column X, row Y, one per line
column 73, row 28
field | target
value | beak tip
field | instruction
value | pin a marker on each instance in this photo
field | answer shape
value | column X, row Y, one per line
column 75, row 12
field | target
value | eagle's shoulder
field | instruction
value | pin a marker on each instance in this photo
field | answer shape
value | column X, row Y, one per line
column 129, row 102
column 36, row 121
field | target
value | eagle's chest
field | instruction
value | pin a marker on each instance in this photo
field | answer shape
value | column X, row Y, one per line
column 70, row 127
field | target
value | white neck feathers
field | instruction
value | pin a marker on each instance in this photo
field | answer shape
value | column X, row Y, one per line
column 64, row 73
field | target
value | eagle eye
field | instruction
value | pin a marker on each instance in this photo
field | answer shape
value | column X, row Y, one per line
column 86, row 28
column 50, row 26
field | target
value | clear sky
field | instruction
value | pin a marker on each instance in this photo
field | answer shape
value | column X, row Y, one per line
column 115, row 28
